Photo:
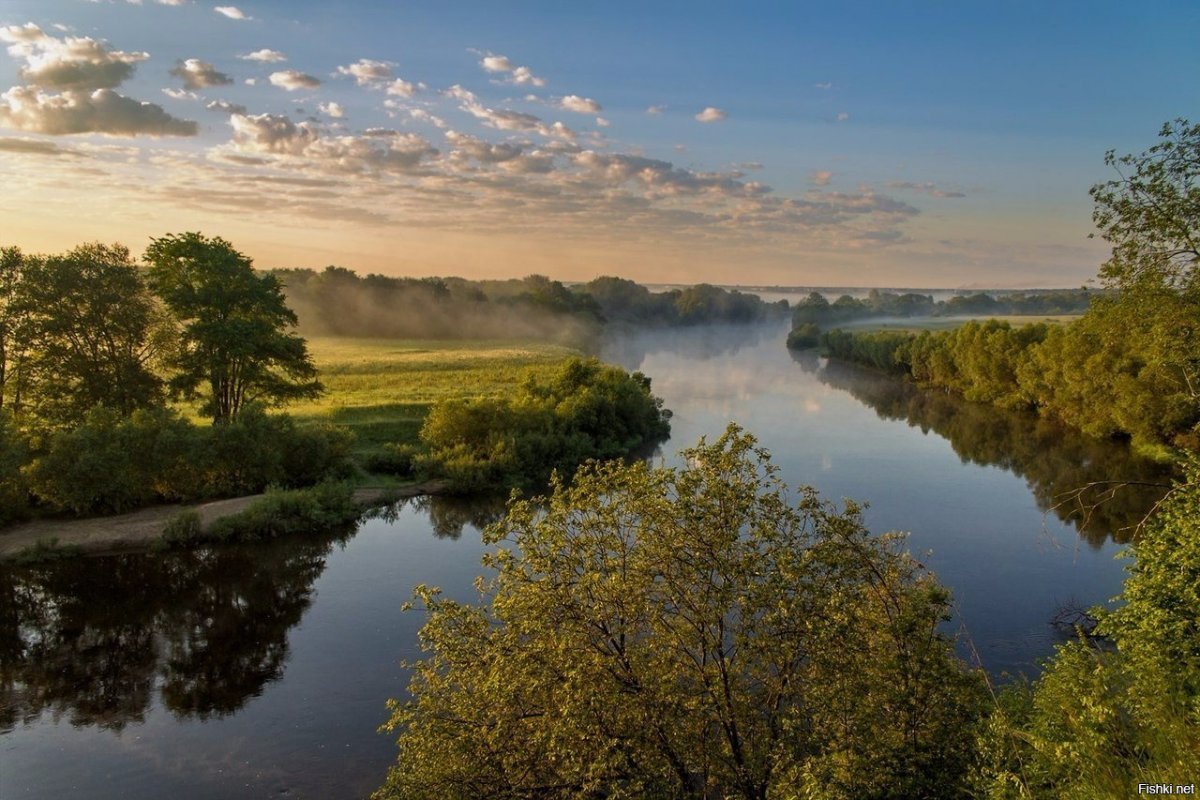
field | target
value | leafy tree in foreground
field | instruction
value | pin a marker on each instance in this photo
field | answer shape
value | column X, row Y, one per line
column 1151, row 216
column 687, row 633
column 1102, row 720
column 236, row 339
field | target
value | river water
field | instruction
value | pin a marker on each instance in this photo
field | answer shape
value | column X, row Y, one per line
column 263, row 671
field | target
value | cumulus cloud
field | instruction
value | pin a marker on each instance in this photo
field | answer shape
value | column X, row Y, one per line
column 293, row 80
column 265, row 56
column 656, row 109
column 580, row 105
column 197, row 74
column 180, row 94
column 77, row 63
column 927, row 187
column 821, row 177
column 224, row 106
column 233, row 12
column 332, row 109
column 711, row 114
column 843, row 116
column 823, row 85
column 507, row 119
column 388, row 152
column 521, row 76
column 421, row 115
column 378, row 75
column 103, row 111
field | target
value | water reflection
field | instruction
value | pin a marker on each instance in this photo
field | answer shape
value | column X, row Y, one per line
column 93, row 640
column 1069, row 474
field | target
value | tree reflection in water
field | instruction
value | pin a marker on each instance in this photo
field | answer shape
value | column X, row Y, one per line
column 93, row 640
column 1075, row 476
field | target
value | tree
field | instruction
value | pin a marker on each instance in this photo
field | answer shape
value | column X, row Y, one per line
column 12, row 317
column 686, row 633
column 235, row 327
column 87, row 333
column 1151, row 215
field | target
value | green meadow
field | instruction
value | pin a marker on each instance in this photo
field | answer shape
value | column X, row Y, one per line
column 382, row 388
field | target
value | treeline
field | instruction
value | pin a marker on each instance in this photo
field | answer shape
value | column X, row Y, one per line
column 818, row 310
column 1100, row 374
column 339, row 302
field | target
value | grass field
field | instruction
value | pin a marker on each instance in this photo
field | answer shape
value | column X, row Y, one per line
column 383, row 388
column 916, row 324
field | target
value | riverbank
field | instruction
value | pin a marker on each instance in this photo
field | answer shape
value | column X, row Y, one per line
column 143, row 529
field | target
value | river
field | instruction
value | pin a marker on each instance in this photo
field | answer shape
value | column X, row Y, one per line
column 263, row 671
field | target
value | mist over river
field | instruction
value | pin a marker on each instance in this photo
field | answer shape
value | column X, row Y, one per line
column 256, row 671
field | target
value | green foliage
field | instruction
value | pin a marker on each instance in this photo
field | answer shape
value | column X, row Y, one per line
column 687, row 633
column 804, row 336
column 112, row 464
column 815, row 308
column 582, row 410
column 234, row 327
column 394, row 459
column 183, row 528
column 1100, row 721
column 288, row 512
column 14, row 488
column 1098, row 374
column 79, row 330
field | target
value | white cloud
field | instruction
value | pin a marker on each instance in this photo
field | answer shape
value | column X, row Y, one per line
column 332, row 109
column 265, row 56
column 507, row 119
column 251, row 81
column 421, row 115
column 75, row 62
column 711, row 114
column 293, row 80
column 180, row 94
column 382, row 151
column 823, row 85
column 843, row 116
column 102, row 111
column 656, row 109
column 602, row 122
column 368, row 72
column 197, row 74
column 401, row 88
column 224, row 106
column 521, row 76
column 233, row 12
column 821, row 177
column 580, row 105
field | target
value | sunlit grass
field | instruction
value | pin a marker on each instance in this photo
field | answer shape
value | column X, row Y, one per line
column 383, row 388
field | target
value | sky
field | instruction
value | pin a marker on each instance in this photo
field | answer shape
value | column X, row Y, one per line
column 899, row 144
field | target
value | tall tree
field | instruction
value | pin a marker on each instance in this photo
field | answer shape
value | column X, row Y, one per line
column 236, row 339
column 87, row 333
column 1150, row 214
column 12, row 354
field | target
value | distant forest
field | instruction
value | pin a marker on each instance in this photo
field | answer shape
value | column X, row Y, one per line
column 339, row 302
column 817, row 309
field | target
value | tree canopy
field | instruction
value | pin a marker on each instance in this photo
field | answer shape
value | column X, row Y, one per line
column 660, row 632
column 236, row 338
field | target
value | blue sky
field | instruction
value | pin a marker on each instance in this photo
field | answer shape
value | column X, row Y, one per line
column 918, row 144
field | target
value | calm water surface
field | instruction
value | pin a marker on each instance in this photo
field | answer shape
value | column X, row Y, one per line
column 255, row 672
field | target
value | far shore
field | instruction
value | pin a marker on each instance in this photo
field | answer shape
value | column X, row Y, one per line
column 142, row 529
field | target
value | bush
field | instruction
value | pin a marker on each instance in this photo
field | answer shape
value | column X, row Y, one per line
column 183, row 528
column 112, row 464
column 394, row 459
column 283, row 512
column 584, row 410
column 804, row 336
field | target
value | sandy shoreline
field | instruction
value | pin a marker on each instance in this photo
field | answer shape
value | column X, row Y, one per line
column 139, row 530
